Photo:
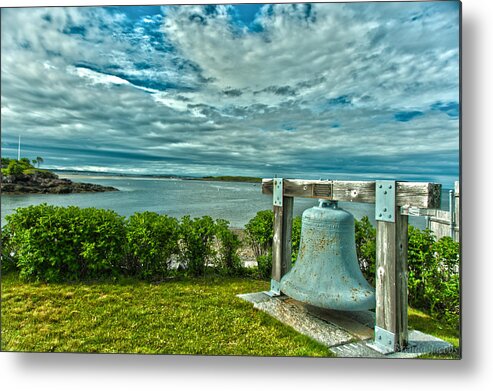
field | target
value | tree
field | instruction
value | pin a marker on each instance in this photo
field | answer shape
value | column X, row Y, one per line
column 39, row 160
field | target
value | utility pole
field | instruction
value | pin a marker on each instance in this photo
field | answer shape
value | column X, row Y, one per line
column 19, row 150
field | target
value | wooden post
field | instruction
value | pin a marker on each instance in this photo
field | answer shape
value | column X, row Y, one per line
column 281, row 243
column 391, row 279
column 281, row 246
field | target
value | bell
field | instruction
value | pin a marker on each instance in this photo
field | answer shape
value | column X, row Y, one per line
column 326, row 273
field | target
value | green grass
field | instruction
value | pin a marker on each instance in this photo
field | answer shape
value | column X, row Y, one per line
column 188, row 316
column 418, row 320
column 199, row 316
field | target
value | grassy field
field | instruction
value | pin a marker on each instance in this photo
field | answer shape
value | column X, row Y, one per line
column 188, row 316
column 200, row 316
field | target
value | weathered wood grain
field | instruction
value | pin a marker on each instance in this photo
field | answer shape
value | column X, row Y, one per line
column 391, row 278
column 281, row 243
column 277, row 244
column 415, row 194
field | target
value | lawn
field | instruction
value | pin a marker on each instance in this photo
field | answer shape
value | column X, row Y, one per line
column 185, row 316
column 199, row 316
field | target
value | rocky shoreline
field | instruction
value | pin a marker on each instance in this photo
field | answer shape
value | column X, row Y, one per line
column 47, row 183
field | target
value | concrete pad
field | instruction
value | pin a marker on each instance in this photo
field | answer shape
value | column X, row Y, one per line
column 346, row 333
column 346, row 321
column 356, row 350
column 257, row 297
column 294, row 316
column 420, row 344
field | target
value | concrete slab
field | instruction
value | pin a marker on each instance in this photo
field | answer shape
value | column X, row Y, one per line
column 357, row 349
column 346, row 320
column 300, row 320
column 347, row 334
column 420, row 344
column 256, row 297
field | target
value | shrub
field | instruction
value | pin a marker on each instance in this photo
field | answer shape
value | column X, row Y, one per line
column 260, row 231
column 228, row 243
column 433, row 269
column 442, row 281
column 152, row 241
column 15, row 168
column 295, row 238
column 196, row 244
column 365, row 236
column 8, row 251
column 419, row 263
column 264, row 266
column 53, row 243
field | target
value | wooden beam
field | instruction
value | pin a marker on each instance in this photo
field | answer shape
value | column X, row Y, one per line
column 391, row 278
column 414, row 194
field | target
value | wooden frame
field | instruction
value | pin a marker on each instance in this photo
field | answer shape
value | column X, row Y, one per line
column 392, row 240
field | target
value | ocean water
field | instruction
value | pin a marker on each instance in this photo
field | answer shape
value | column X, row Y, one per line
column 232, row 201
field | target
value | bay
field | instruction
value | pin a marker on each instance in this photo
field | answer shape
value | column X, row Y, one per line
column 233, row 201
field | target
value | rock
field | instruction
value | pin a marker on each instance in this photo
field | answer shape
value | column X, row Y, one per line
column 47, row 183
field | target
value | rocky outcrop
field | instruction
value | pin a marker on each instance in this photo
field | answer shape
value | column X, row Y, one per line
column 47, row 183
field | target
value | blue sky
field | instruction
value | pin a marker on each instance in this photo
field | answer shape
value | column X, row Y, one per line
column 335, row 90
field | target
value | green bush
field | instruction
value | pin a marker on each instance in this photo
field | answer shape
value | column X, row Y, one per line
column 260, row 230
column 51, row 243
column 420, row 261
column 441, row 281
column 152, row 241
column 15, row 168
column 196, row 244
column 433, row 269
column 228, row 243
column 264, row 266
column 295, row 238
column 365, row 236
column 9, row 263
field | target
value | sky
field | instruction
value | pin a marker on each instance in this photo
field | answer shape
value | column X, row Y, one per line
column 356, row 91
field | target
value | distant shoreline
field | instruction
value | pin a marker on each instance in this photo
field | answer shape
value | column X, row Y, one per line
column 95, row 174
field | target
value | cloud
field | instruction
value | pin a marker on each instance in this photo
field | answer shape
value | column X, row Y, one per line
column 311, row 90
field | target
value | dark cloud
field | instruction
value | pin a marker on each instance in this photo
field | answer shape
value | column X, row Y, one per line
column 404, row 116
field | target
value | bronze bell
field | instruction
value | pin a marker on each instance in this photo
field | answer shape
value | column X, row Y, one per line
column 326, row 273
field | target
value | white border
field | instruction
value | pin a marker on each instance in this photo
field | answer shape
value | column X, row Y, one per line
column 127, row 372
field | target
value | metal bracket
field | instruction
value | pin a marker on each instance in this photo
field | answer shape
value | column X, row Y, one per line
column 384, row 341
column 385, row 201
column 275, row 288
column 278, row 191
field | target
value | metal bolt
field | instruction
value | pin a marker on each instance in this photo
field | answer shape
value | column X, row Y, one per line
column 390, row 216
column 390, row 186
column 385, row 192
column 385, row 209
column 379, row 186
column 380, row 215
